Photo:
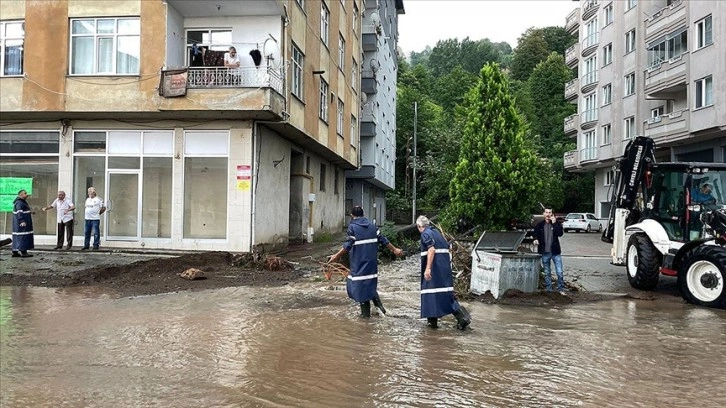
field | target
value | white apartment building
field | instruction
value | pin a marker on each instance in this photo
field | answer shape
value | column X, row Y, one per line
column 655, row 68
column 366, row 185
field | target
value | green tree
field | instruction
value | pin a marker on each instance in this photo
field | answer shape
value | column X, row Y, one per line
column 534, row 46
column 497, row 174
column 546, row 88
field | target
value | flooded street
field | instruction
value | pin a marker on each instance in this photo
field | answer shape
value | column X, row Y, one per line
column 303, row 346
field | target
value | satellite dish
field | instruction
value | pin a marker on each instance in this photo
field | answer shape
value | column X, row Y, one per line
column 271, row 52
column 375, row 19
column 375, row 65
column 363, row 98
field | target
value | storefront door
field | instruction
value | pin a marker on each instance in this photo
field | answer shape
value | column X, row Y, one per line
column 123, row 214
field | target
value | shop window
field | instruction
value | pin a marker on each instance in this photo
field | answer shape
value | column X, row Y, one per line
column 156, row 200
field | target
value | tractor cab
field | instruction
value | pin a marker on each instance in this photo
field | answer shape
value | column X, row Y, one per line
column 680, row 194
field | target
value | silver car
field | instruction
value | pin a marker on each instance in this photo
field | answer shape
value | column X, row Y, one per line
column 581, row 222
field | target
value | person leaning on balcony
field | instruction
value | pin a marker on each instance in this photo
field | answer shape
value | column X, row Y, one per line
column 232, row 62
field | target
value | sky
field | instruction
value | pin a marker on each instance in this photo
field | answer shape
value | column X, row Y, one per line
column 427, row 21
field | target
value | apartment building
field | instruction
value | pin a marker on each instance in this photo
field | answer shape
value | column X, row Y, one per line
column 366, row 185
column 655, row 68
column 134, row 98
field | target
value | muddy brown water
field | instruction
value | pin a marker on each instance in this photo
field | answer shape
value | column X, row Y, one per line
column 302, row 346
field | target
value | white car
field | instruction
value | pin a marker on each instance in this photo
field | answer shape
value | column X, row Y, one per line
column 581, row 222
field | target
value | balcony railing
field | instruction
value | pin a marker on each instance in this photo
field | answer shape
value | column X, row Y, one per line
column 588, row 116
column 572, row 122
column 223, row 77
column 571, row 89
column 588, row 154
column 571, row 160
column 671, row 124
column 572, row 22
column 589, row 43
column 572, row 55
column 590, row 9
column 589, row 78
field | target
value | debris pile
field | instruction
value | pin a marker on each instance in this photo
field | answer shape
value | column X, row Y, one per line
column 260, row 261
column 332, row 268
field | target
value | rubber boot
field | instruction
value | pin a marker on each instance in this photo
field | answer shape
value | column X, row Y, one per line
column 462, row 318
column 377, row 302
column 433, row 322
column 365, row 309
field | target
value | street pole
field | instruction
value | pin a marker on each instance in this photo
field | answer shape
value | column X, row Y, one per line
column 415, row 119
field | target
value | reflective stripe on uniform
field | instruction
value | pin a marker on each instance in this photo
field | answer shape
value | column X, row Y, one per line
column 23, row 233
column 366, row 241
column 22, row 212
column 436, row 290
column 438, row 251
column 364, row 277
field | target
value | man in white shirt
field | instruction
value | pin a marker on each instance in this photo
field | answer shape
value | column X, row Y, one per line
column 232, row 61
column 94, row 208
column 64, row 211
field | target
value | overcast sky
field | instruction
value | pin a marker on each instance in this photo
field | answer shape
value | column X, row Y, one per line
column 427, row 21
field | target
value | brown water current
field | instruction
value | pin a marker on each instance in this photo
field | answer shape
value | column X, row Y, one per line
column 303, row 346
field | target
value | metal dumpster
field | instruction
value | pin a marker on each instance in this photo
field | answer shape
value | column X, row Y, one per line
column 497, row 265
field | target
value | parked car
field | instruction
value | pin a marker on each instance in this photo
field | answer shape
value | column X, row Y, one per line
column 581, row 222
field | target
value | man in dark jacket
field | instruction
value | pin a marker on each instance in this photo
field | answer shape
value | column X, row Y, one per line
column 547, row 235
column 437, row 281
column 22, row 226
column 362, row 242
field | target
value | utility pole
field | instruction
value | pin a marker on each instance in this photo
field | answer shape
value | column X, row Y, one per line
column 415, row 119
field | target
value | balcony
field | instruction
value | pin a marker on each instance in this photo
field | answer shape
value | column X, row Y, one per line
column 369, row 41
column 667, row 128
column 571, row 90
column 668, row 76
column 590, row 43
column 572, row 55
column 254, row 92
column 590, row 9
column 571, row 160
column 588, row 82
column 228, row 8
column 572, row 122
column 572, row 22
column 368, row 82
column 665, row 20
column 588, row 118
column 588, row 154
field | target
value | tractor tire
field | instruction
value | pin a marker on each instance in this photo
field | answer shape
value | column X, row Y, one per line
column 701, row 276
column 642, row 263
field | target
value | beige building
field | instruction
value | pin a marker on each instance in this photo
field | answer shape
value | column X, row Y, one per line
column 134, row 98
column 655, row 68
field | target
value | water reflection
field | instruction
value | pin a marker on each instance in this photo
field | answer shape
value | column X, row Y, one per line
column 287, row 347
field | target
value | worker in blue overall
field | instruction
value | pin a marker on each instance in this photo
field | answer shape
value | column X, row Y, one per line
column 362, row 241
column 437, row 282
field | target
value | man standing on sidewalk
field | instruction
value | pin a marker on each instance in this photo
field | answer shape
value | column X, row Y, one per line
column 362, row 242
column 94, row 208
column 64, row 212
column 547, row 235
column 23, row 238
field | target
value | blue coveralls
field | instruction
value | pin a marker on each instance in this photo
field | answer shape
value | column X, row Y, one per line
column 362, row 245
column 437, row 295
column 23, row 239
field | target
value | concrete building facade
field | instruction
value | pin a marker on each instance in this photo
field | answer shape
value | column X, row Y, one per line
column 133, row 97
column 366, row 185
column 645, row 67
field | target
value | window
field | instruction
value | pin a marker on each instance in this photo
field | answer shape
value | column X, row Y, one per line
column 323, row 111
column 322, row 176
column 341, row 109
column 607, row 94
column 591, row 33
column 589, row 152
column 355, row 17
column 606, row 134
column 589, row 111
column 630, row 41
column 630, row 84
column 607, row 54
column 609, row 14
column 324, row 24
column 629, row 127
column 671, row 46
column 609, row 178
column 105, row 46
column 341, row 52
column 336, row 181
column 353, row 130
column 704, row 92
column 656, row 112
column 298, row 62
column 704, row 32
column 590, row 71
column 12, row 35
column 631, row 4
column 354, row 76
